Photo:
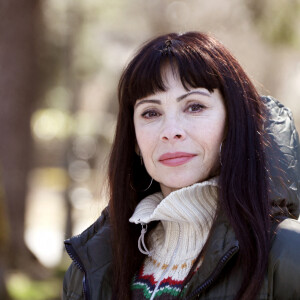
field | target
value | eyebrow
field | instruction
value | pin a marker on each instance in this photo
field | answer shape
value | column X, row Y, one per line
column 139, row 102
column 191, row 93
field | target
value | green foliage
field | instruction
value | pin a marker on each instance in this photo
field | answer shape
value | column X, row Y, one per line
column 20, row 287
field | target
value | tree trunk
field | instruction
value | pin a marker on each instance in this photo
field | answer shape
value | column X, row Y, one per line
column 18, row 84
column 4, row 232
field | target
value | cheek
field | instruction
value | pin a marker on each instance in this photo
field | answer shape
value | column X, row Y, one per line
column 139, row 135
column 217, row 137
column 219, row 128
column 147, row 149
column 145, row 141
column 212, row 138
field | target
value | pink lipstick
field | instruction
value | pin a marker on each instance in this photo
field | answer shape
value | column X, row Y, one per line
column 176, row 158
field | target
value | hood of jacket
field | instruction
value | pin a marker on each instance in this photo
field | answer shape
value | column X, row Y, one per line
column 283, row 158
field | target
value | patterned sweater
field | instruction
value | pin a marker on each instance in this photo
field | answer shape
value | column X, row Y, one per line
column 185, row 216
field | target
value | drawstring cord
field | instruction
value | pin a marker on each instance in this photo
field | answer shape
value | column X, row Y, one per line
column 141, row 242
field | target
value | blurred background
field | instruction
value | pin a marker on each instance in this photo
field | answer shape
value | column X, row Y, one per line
column 60, row 62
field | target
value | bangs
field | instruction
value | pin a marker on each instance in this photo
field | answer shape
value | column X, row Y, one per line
column 145, row 75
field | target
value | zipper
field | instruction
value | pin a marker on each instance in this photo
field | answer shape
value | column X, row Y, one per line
column 168, row 268
column 74, row 256
column 141, row 241
column 208, row 282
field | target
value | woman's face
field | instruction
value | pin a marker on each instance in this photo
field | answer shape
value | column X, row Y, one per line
column 179, row 133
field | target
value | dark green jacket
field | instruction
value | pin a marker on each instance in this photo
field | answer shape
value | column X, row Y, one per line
column 219, row 277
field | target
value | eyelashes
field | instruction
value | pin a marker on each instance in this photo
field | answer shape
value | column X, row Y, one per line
column 195, row 107
column 192, row 108
column 149, row 114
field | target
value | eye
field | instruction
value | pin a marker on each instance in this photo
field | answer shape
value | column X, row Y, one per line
column 149, row 114
column 195, row 107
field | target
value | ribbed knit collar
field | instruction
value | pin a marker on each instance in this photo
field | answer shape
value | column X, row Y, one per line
column 186, row 217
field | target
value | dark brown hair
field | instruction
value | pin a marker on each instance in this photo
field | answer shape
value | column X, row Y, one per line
column 200, row 61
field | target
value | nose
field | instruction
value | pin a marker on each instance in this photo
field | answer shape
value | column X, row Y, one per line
column 172, row 132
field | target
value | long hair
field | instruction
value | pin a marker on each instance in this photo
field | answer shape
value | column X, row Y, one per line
column 200, row 61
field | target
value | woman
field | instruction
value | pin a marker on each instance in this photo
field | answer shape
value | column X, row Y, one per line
column 191, row 214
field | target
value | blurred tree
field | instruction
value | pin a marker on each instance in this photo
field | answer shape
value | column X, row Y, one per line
column 18, row 83
column 4, row 232
column 277, row 20
column 73, row 84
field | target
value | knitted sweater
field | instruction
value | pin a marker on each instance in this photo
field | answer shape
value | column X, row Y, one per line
column 185, row 216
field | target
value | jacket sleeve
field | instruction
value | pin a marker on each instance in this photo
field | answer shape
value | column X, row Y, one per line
column 72, row 285
column 284, row 262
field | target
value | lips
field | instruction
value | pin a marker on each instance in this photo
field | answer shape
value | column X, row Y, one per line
column 176, row 158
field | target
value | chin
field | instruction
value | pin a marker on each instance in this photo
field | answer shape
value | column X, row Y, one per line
column 181, row 184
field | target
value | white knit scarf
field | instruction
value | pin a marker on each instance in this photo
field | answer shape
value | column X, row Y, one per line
column 186, row 217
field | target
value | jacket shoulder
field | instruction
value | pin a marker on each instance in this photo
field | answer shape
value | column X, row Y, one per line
column 287, row 239
column 92, row 255
column 72, row 284
column 88, row 234
column 284, row 261
column 95, row 240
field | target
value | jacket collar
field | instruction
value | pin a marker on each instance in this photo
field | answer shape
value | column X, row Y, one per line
column 91, row 251
column 219, row 249
column 91, row 241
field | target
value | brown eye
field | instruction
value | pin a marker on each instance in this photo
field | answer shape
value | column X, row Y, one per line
column 150, row 114
column 195, row 107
